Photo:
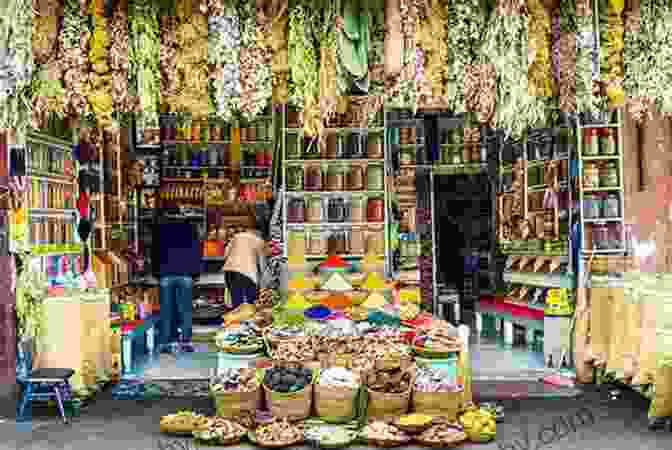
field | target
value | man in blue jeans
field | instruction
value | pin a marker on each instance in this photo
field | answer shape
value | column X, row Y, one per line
column 178, row 259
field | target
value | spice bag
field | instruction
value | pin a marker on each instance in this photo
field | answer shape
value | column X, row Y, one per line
column 661, row 406
column 439, row 404
column 383, row 406
column 335, row 404
column 291, row 405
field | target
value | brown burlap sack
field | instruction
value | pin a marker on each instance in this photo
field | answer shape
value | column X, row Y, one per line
column 661, row 406
column 600, row 323
column 582, row 357
column 648, row 356
column 619, row 324
column 233, row 404
column 632, row 315
column 293, row 406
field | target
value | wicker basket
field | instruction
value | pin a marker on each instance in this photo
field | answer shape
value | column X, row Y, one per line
column 433, row 444
column 292, row 405
column 233, row 404
column 253, row 438
column 386, row 443
column 384, row 406
column 440, row 404
column 336, row 404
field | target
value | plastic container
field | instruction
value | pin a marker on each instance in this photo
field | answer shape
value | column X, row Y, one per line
column 375, row 178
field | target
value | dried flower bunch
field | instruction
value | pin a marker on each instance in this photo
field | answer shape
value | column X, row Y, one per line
column 539, row 69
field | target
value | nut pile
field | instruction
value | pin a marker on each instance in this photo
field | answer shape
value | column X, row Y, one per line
column 235, row 380
column 294, row 350
column 440, row 339
column 339, row 376
column 408, row 311
column 288, row 379
column 384, row 432
column 443, row 434
column 390, row 381
column 184, row 421
column 221, row 430
column 278, row 432
column 434, row 380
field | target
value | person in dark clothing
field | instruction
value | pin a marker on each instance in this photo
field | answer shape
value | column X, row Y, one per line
column 452, row 261
column 178, row 257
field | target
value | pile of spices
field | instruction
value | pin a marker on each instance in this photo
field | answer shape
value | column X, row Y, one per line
column 375, row 300
column 317, row 312
column 337, row 301
column 337, row 284
column 374, row 281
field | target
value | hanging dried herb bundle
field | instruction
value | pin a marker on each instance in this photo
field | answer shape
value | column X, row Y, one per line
column 432, row 35
column 118, row 60
column 648, row 64
column 587, row 99
column 466, row 22
column 255, row 64
column 302, row 57
column 144, row 60
column 506, row 47
column 539, row 69
column 401, row 23
column 612, row 28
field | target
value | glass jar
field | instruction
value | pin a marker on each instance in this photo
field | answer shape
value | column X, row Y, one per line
column 313, row 178
column 292, row 147
column 611, row 207
column 609, row 174
column 591, row 145
column 375, row 178
column 374, row 147
column 407, row 156
column 358, row 209
column 357, row 241
column 591, row 176
column 357, row 146
column 336, row 178
column 601, row 236
column 375, row 241
column 314, row 210
column 295, row 178
column 334, row 150
column 316, row 243
column 215, row 130
column 608, row 142
column 355, row 179
column 297, row 243
column 336, row 210
column 296, row 210
column 590, row 207
column 375, row 210
column 196, row 131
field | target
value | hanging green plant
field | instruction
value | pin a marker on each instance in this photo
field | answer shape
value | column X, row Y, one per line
column 31, row 291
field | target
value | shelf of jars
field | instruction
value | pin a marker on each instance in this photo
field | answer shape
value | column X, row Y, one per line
column 600, row 152
column 334, row 192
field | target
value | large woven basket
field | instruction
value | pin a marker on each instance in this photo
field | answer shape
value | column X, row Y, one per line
column 234, row 404
column 438, row 404
column 335, row 404
column 383, row 406
column 292, row 405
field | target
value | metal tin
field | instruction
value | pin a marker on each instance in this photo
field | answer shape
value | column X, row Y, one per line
column 608, row 174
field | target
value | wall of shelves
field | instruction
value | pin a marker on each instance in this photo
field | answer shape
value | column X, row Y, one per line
column 334, row 197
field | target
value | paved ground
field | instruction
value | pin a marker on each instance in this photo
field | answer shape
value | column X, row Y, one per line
column 618, row 424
